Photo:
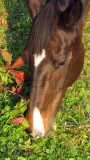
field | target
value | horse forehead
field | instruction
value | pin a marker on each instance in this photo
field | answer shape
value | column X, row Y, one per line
column 67, row 37
column 39, row 58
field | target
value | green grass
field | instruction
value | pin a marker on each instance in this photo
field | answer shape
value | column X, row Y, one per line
column 69, row 138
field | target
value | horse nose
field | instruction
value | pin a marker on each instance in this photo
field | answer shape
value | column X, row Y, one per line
column 38, row 129
column 37, row 134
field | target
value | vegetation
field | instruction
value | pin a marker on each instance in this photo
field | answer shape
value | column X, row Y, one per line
column 69, row 138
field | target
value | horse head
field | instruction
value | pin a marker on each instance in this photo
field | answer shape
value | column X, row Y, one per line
column 56, row 55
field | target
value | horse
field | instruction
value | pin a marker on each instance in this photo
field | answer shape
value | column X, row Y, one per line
column 55, row 53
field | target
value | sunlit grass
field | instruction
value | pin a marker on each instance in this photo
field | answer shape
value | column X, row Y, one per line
column 69, row 138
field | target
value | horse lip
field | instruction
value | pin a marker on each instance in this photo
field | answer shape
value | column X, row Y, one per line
column 37, row 135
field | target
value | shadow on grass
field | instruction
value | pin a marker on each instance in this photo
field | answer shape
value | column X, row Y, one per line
column 19, row 26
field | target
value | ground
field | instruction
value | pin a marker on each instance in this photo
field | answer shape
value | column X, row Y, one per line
column 69, row 138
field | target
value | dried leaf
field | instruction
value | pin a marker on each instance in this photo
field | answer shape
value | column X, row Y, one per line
column 3, row 21
column 1, row 86
column 6, row 55
column 21, row 61
column 4, row 13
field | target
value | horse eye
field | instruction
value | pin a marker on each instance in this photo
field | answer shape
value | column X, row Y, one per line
column 60, row 65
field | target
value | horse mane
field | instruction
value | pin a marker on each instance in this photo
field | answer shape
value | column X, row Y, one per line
column 44, row 25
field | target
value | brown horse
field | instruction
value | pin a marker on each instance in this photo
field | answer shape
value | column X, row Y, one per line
column 55, row 53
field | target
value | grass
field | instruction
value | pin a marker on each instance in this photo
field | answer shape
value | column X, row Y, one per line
column 69, row 138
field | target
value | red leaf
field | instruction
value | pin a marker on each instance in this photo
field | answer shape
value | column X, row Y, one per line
column 19, row 90
column 8, row 66
column 21, row 61
column 18, row 120
column 19, row 76
column 13, row 89
column 6, row 55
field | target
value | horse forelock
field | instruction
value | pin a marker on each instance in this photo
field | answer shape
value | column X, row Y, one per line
column 44, row 25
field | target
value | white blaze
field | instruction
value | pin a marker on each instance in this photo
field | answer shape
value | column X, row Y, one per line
column 38, row 126
column 39, row 58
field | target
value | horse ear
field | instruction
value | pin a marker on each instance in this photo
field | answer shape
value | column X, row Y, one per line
column 34, row 6
column 71, row 16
